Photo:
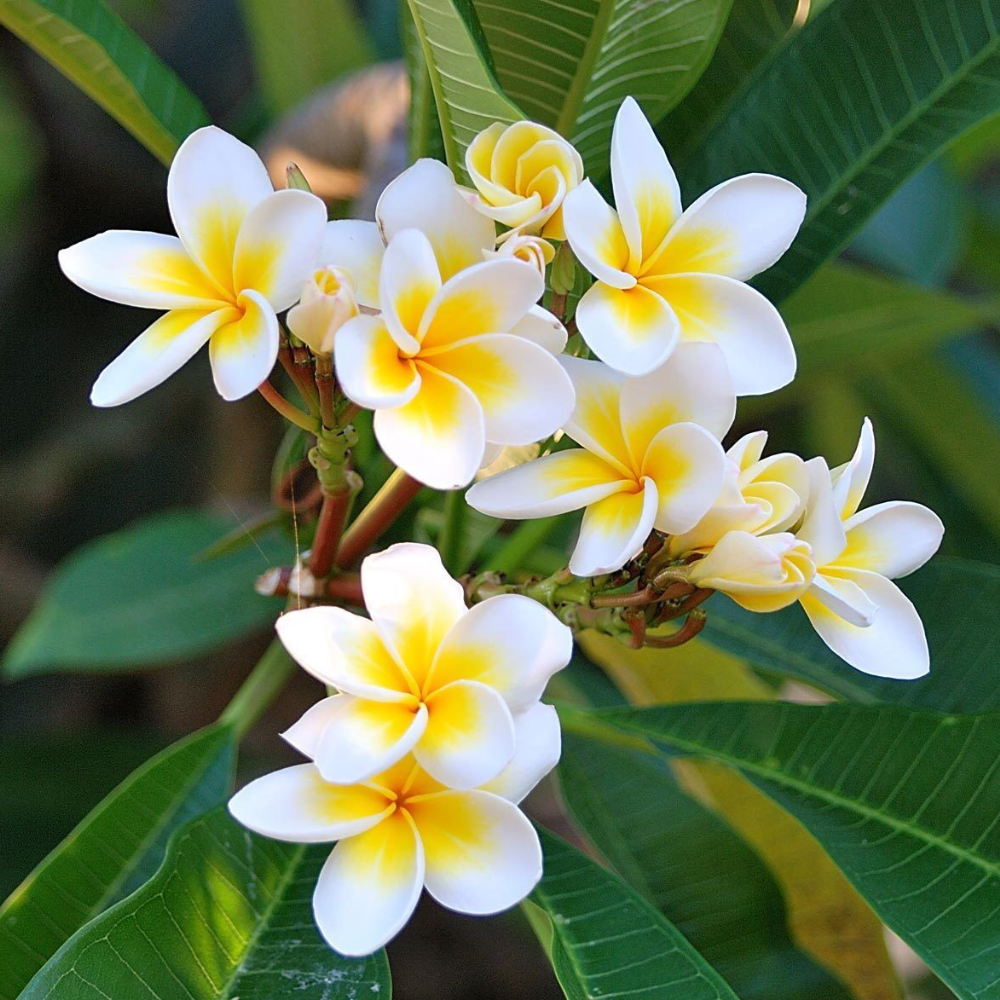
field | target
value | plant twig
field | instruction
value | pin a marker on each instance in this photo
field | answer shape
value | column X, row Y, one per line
column 264, row 683
column 291, row 413
column 382, row 510
column 450, row 539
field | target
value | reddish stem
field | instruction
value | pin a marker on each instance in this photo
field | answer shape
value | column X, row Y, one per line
column 377, row 517
column 329, row 529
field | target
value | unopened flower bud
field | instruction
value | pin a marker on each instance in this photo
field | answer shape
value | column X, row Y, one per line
column 295, row 179
column 563, row 275
column 327, row 303
column 532, row 250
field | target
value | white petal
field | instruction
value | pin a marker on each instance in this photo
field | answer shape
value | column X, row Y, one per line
column 524, row 392
column 357, row 248
column 413, row 602
column 693, row 386
column 565, row 481
column 243, row 352
column 297, row 805
column 844, row 598
column 596, row 419
column 439, row 436
column 156, row 354
column 538, row 745
column 214, row 182
column 345, row 651
column 745, row 325
column 426, row 197
column 613, row 531
column 540, row 327
column 822, row 527
column 738, row 229
column 510, row 643
column 408, row 282
column 596, row 236
column 647, row 195
column 483, row 855
column 748, row 449
column 278, row 246
column 894, row 645
column 892, row 539
column 633, row 330
column 369, row 367
column 139, row 269
column 850, row 480
column 364, row 738
column 305, row 734
column 370, row 886
column 469, row 737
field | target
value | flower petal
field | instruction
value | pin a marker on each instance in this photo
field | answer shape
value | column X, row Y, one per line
column 614, row 530
column 363, row 738
column 543, row 328
column 850, row 480
column 844, row 598
column 483, row 855
column 489, row 297
column 305, row 734
column 243, row 352
column 565, row 481
column 822, row 527
column 469, row 737
column 139, row 269
column 892, row 539
column 595, row 233
column 408, row 282
column 524, row 392
column 738, row 228
column 634, row 330
column 439, row 436
column 369, row 887
column 413, row 602
column 355, row 247
column 345, row 651
column 510, row 643
column 748, row 329
column 693, row 386
column 596, row 419
column 426, row 197
column 295, row 804
column 894, row 645
column 537, row 747
column 278, row 246
column 647, row 194
column 369, row 367
column 478, row 164
column 156, row 354
column 214, row 182
column 688, row 466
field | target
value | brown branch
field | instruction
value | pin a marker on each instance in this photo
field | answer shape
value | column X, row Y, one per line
column 380, row 513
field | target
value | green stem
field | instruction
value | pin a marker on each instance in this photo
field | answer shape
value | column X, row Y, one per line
column 521, row 542
column 291, row 413
column 262, row 686
column 450, row 539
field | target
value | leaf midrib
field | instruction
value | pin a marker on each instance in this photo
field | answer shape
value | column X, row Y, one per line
column 566, row 120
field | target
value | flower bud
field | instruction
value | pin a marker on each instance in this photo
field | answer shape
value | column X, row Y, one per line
column 763, row 573
column 327, row 303
column 295, row 179
column 532, row 250
column 563, row 276
column 522, row 173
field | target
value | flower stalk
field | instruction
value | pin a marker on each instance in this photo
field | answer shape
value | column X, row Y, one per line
column 380, row 513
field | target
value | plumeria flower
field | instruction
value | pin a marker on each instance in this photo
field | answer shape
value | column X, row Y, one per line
column 665, row 276
column 532, row 250
column 853, row 605
column 326, row 304
column 402, row 831
column 649, row 458
column 425, row 676
column 241, row 255
column 760, row 495
column 759, row 573
column 522, row 173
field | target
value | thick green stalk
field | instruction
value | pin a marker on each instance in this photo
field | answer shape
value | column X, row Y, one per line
column 450, row 539
column 264, row 683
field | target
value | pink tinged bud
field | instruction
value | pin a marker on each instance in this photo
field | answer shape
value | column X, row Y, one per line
column 327, row 303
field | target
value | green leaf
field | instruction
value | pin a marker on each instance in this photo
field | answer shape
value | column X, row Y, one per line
column 716, row 890
column 299, row 45
column 571, row 65
column 851, row 106
column 849, row 317
column 88, row 43
column 957, row 601
column 466, row 91
column 424, row 129
column 228, row 915
column 905, row 802
column 144, row 596
column 111, row 852
column 608, row 941
column 20, row 151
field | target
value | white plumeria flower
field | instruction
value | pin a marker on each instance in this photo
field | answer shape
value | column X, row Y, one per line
column 532, row 250
column 760, row 495
column 853, row 605
column 522, row 173
column 650, row 457
column 326, row 304
column 241, row 254
column 402, row 831
column 759, row 573
column 665, row 276
column 425, row 676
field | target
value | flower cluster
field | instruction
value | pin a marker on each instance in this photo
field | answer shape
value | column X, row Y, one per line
column 431, row 319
